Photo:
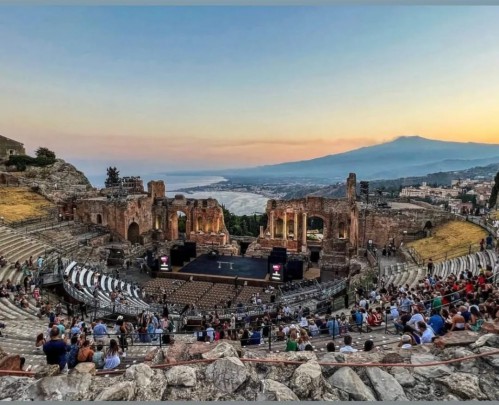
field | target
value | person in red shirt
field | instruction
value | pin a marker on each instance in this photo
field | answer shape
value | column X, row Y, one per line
column 469, row 287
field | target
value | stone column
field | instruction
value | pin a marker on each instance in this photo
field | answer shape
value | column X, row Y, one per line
column 261, row 232
column 218, row 225
column 285, row 226
column 304, row 235
column 295, row 229
column 271, row 224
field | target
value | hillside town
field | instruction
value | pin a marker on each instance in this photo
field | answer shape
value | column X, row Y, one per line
column 467, row 197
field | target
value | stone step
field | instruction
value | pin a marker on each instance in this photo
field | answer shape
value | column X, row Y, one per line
column 5, row 272
column 6, row 239
column 9, row 247
column 27, row 314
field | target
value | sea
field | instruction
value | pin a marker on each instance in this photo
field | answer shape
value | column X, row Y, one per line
column 238, row 203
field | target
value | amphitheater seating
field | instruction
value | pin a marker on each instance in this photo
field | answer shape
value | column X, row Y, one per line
column 158, row 285
column 218, row 294
column 247, row 292
column 15, row 246
column 190, row 292
column 399, row 275
column 87, row 278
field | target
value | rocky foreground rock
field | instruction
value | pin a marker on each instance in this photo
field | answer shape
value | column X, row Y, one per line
column 227, row 374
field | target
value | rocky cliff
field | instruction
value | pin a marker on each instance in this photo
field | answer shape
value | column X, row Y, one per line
column 56, row 182
column 227, row 373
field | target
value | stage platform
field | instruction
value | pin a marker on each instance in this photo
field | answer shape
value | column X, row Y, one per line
column 227, row 266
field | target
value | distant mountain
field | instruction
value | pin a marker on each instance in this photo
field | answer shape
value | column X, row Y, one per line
column 405, row 156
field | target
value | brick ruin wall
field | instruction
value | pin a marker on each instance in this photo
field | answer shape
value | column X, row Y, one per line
column 383, row 225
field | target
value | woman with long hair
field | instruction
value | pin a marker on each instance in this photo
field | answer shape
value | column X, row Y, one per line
column 476, row 320
column 40, row 340
column 112, row 359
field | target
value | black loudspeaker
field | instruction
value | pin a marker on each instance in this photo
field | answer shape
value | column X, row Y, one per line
column 149, row 259
column 177, row 254
column 293, row 270
column 190, row 249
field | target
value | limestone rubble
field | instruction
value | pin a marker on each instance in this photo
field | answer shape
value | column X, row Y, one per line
column 230, row 377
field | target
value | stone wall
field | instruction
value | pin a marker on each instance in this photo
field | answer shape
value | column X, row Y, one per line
column 153, row 213
column 9, row 147
column 382, row 225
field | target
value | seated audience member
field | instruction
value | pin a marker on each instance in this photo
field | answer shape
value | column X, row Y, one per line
column 458, row 321
column 437, row 322
column 406, row 342
column 368, row 345
column 427, row 335
column 347, row 348
column 330, row 347
column 40, row 341
column 85, row 354
column 112, row 357
column 476, row 320
column 291, row 344
column 98, row 357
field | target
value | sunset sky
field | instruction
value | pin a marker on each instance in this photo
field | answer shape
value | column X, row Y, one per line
column 164, row 89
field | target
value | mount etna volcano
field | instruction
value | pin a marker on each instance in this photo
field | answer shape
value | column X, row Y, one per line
column 404, row 156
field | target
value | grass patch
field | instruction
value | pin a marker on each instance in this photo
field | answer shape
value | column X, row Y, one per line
column 19, row 203
column 452, row 238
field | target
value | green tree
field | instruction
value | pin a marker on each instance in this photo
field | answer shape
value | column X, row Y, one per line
column 494, row 192
column 45, row 153
column 113, row 177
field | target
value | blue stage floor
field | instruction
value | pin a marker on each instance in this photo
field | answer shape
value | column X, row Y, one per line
column 228, row 266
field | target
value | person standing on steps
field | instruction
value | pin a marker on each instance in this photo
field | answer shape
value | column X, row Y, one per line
column 430, row 266
column 55, row 349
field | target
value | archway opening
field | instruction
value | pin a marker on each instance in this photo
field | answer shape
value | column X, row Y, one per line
column 315, row 229
column 159, row 222
column 181, row 224
column 291, row 229
column 279, row 228
column 99, row 219
column 134, row 233
column 200, row 224
column 342, row 230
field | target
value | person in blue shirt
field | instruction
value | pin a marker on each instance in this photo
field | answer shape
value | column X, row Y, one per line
column 72, row 356
column 100, row 330
column 55, row 349
column 437, row 322
column 333, row 326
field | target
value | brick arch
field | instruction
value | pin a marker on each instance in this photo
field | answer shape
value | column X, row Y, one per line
column 133, row 233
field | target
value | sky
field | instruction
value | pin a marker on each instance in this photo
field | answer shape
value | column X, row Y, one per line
column 155, row 89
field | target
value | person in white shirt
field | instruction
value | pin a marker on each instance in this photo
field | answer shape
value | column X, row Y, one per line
column 427, row 334
column 416, row 317
column 347, row 348
column 210, row 332
column 363, row 303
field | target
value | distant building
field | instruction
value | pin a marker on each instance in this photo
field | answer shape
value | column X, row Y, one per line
column 9, row 147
